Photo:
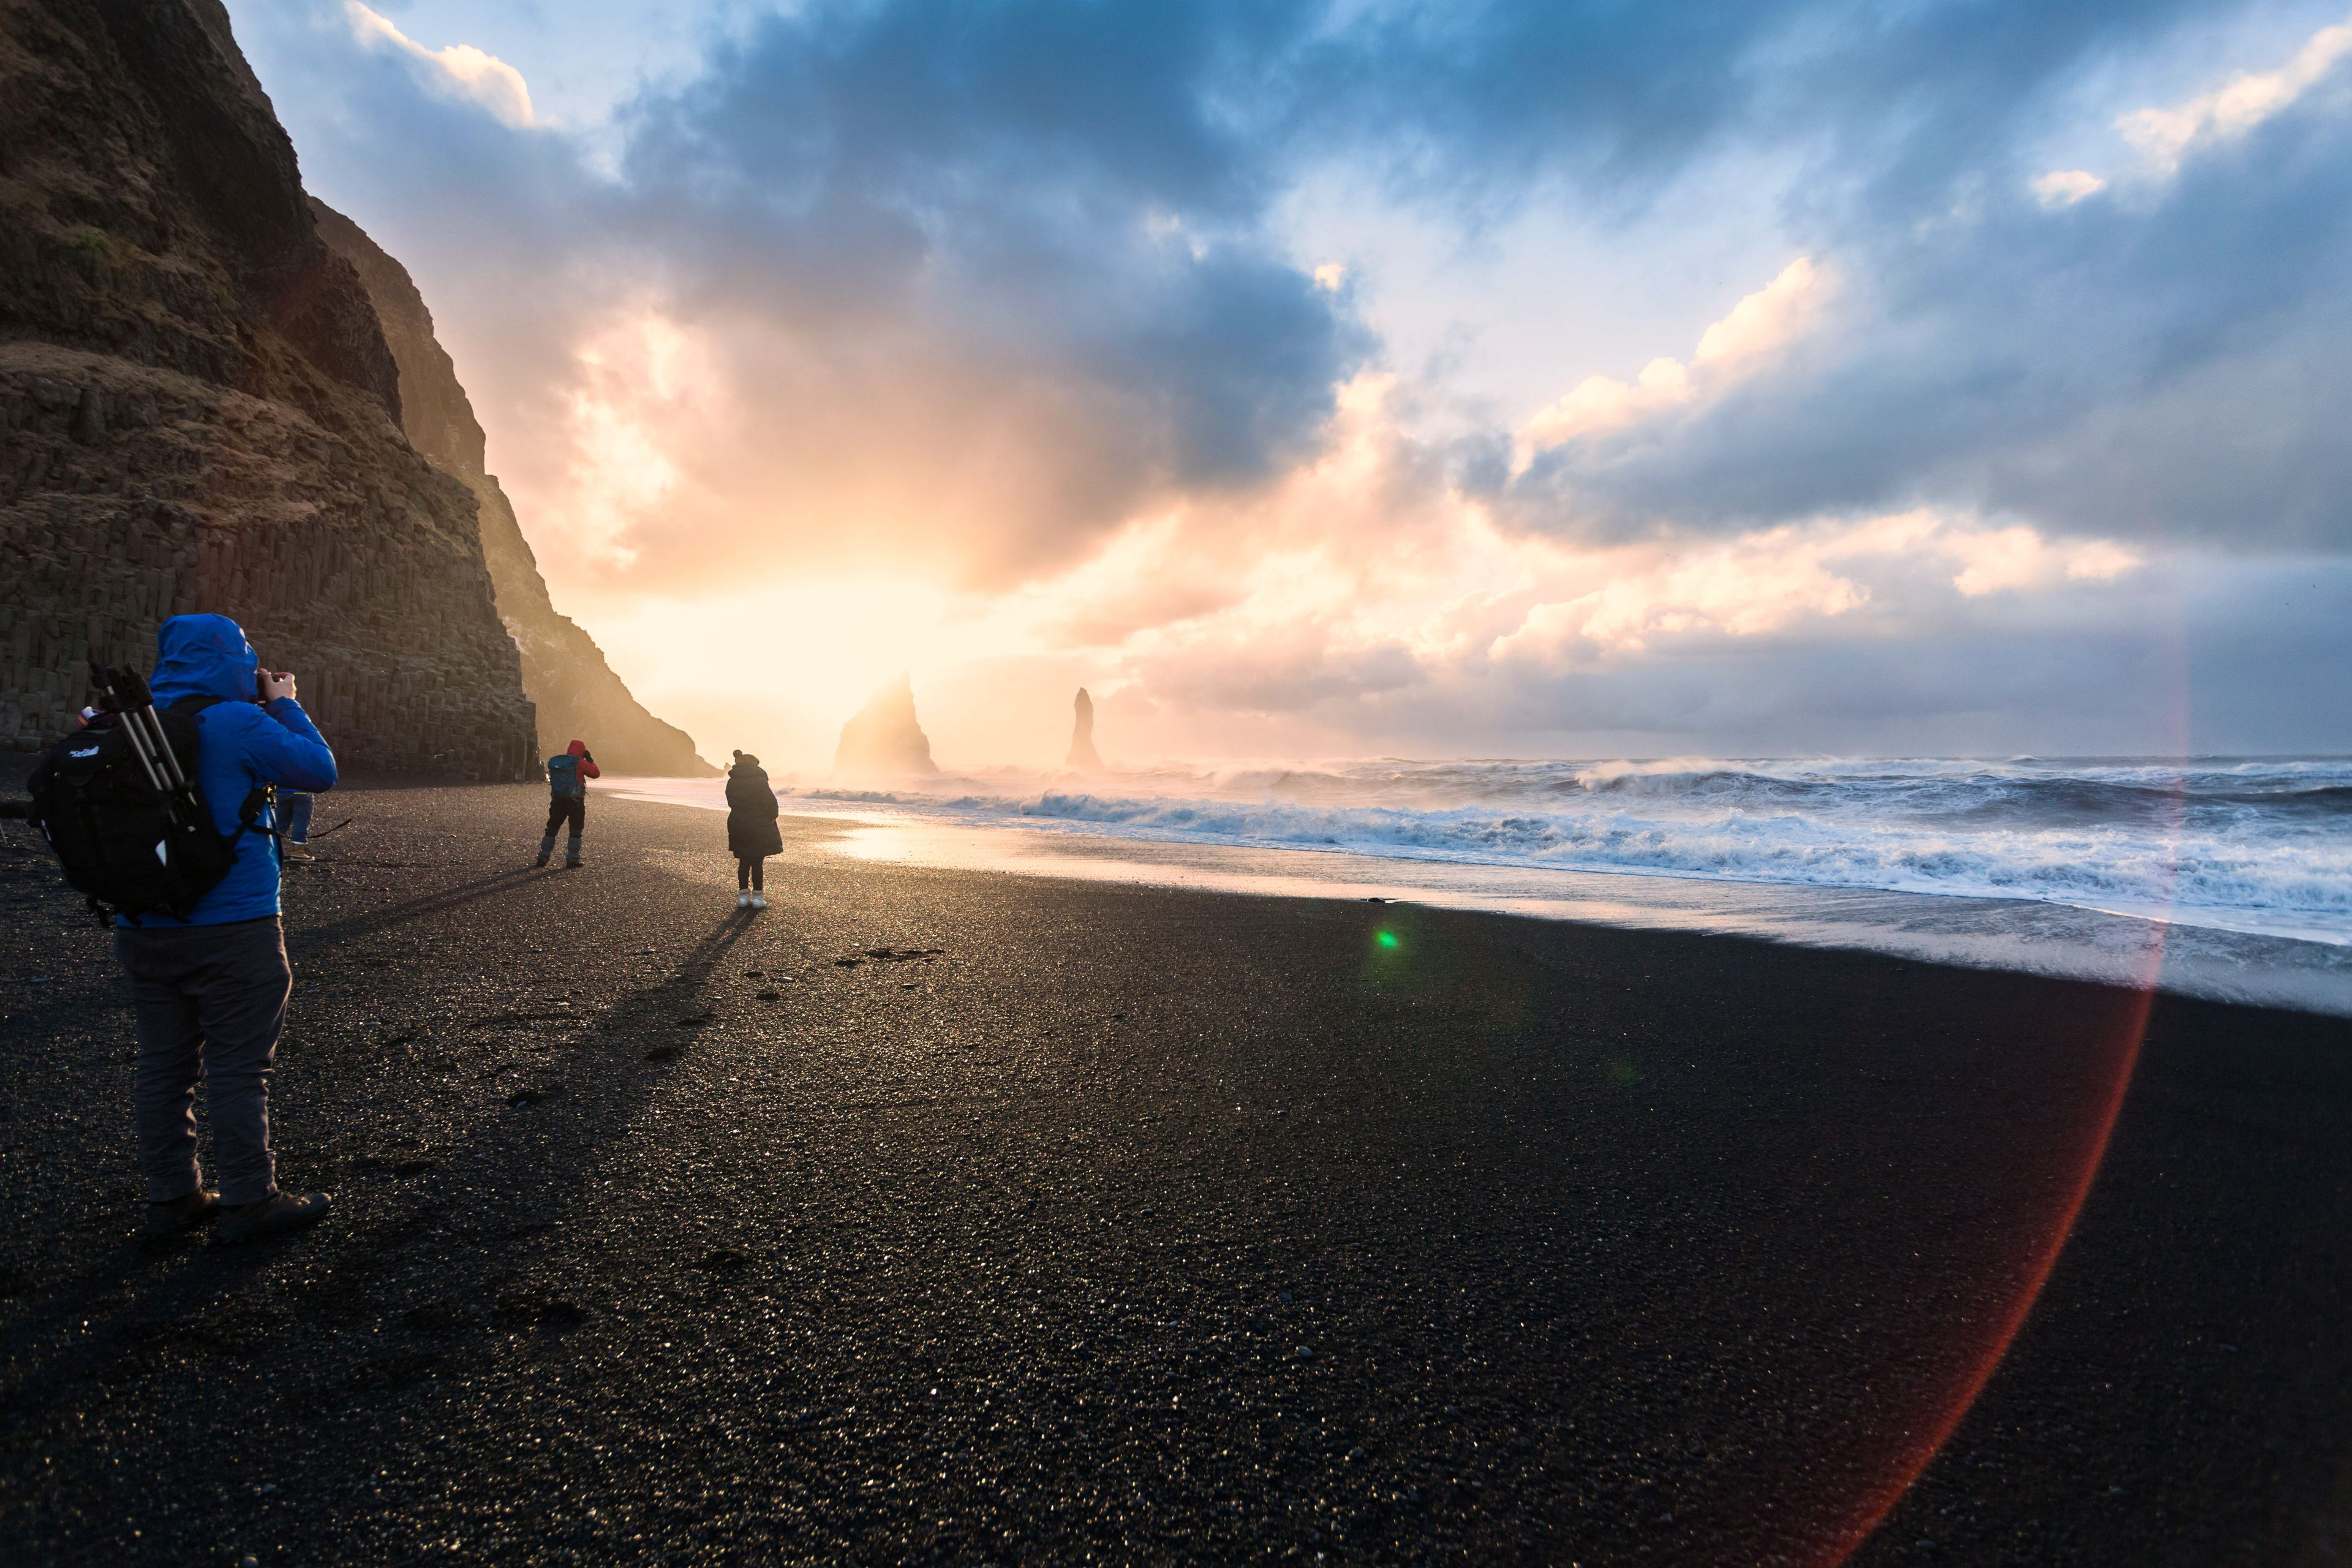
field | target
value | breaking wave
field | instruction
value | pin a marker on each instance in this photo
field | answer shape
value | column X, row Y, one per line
column 2257, row 845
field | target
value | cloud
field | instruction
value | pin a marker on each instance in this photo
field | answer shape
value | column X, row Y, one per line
column 989, row 312
column 996, row 304
column 2165, row 135
column 1758, row 326
column 461, row 70
column 2009, row 558
column 1768, row 319
column 1747, row 588
column 2065, row 188
column 1768, row 580
column 945, row 301
column 1365, row 583
column 1435, row 629
column 1601, row 404
column 2155, row 371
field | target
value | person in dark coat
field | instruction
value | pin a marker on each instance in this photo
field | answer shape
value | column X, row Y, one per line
column 751, row 829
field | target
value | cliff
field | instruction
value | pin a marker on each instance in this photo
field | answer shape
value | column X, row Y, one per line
column 563, row 671
column 198, row 409
column 884, row 738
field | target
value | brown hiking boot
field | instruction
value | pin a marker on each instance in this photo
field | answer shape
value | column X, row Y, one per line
column 180, row 1215
column 278, row 1212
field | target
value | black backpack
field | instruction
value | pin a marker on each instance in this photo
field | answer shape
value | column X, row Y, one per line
column 134, row 843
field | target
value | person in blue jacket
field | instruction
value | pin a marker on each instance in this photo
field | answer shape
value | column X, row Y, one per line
column 208, row 992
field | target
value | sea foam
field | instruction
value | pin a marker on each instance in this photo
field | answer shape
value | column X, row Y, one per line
column 2256, row 846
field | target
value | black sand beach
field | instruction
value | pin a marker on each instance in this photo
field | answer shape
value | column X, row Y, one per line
column 942, row 1217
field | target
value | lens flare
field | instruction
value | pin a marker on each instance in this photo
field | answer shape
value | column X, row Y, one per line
column 2122, row 1044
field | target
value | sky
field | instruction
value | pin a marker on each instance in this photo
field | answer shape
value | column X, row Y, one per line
column 1562, row 378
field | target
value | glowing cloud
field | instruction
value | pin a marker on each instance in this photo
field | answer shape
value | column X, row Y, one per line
column 459, row 71
column 1757, row 328
column 827, row 373
column 638, row 385
column 2065, row 188
column 2007, row 559
column 1768, row 319
column 1745, row 588
column 1269, row 623
column 2164, row 136
column 1772, row 579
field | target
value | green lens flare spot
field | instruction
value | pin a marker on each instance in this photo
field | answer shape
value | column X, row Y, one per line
column 1387, row 939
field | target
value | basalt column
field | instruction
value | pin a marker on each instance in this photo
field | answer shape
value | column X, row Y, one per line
column 576, row 692
column 198, row 410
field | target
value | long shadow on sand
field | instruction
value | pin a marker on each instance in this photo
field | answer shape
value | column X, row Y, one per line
column 434, row 903
column 526, row 1171
column 138, row 1295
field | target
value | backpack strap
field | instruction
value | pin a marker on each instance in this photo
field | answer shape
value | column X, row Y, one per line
column 259, row 799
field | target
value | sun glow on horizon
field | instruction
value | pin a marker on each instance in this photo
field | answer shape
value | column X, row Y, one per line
column 777, row 668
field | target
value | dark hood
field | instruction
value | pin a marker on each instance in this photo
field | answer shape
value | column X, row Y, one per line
column 203, row 656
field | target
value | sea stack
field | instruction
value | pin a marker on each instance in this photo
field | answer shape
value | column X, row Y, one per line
column 200, row 412
column 1082, row 735
column 884, row 738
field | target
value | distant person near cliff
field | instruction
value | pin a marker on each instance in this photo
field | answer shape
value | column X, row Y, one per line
column 567, row 798
column 751, row 829
column 294, row 811
column 208, row 992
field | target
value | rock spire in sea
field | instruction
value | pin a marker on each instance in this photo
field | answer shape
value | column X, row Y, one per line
column 1082, row 735
column 884, row 738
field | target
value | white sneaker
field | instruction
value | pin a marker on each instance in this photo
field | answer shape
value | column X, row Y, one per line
column 743, row 901
column 759, row 900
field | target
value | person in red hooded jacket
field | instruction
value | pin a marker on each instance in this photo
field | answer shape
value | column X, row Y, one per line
column 567, row 798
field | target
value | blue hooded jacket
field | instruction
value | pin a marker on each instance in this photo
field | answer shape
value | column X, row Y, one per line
column 244, row 745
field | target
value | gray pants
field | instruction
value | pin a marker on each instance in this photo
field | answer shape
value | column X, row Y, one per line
column 208, row 1001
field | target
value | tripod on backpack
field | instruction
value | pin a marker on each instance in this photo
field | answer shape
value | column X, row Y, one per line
column 118, row 803
column 122, row 806
column 124, row 694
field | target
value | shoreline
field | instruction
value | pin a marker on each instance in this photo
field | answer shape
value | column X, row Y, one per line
column 947, row 1216
column 2028, row 936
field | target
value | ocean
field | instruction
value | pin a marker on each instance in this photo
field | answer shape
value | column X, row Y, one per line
column 2228, row 876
